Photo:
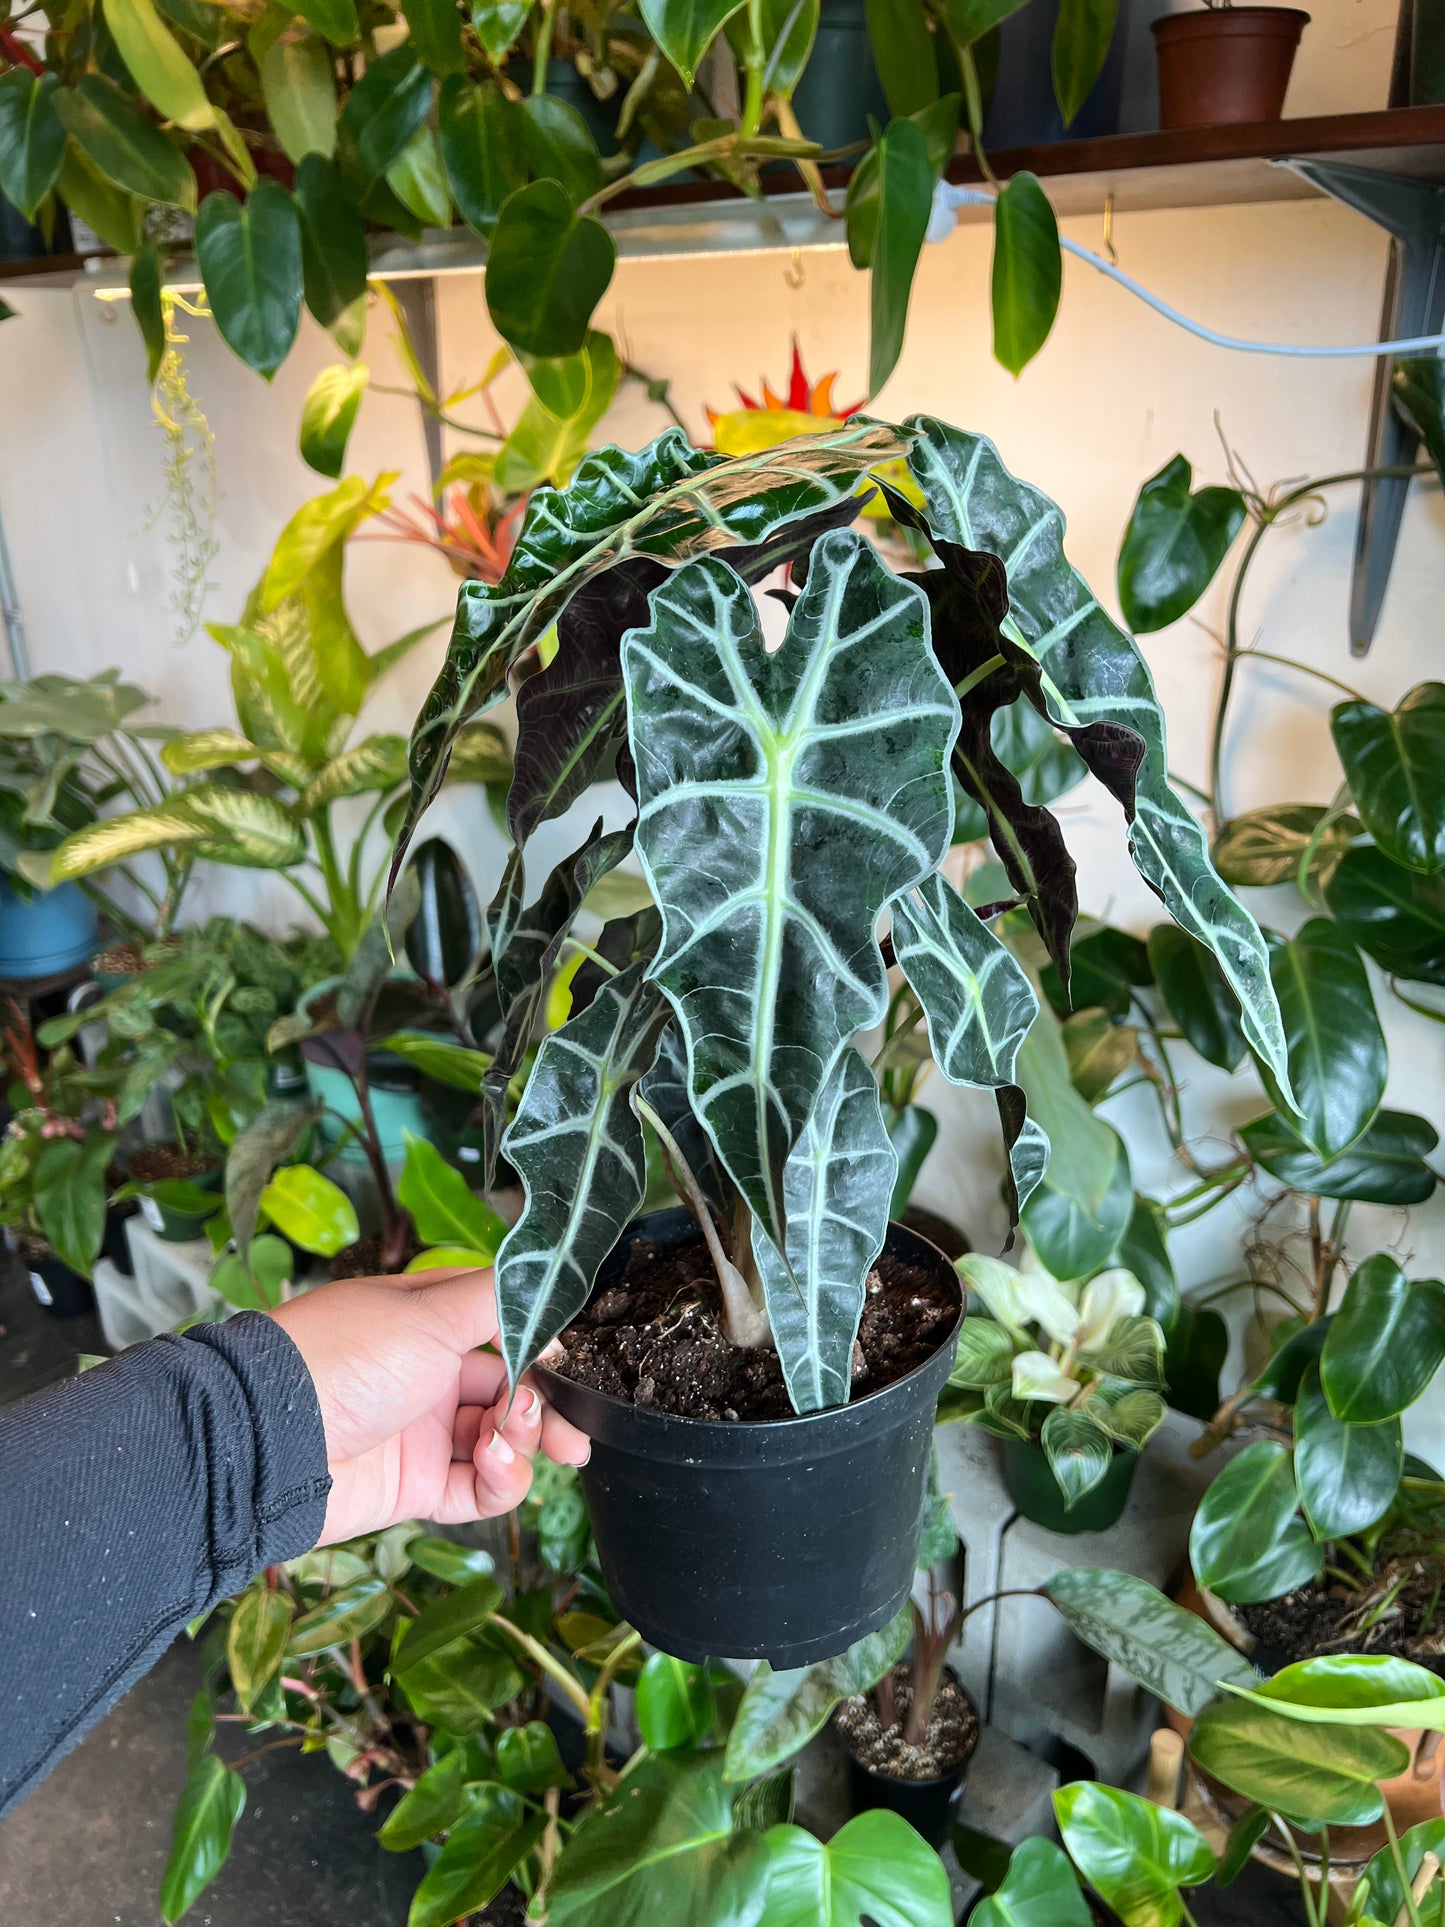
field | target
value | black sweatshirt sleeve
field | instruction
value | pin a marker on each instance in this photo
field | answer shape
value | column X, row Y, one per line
column 132, row 1499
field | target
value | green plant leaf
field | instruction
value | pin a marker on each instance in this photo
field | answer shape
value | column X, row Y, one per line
column 1387, row 1896
column 1176, row 539
column 1266, row 846
column 68, row 1189
column 1027, row 271
column 1083, row 1201
column 123, row 145
column 487, row 1844
column 1312, row 1775
column 546, row 271
column 1099, row 1052
column 560, row 145
column 497, row 23
column 1197, row 995
column 1356, row 1689
column 1248, row 1541
column 481, row 141
column 334, row 18
column 434, row 1805
column 780, row 1712
column 875, row 1868
column 676, row 1705
column 527, row 1758
column 577, row 1146
column 418, row 180
column 444, row 1559
column 310, row 1210
column 1337, row 1058
column 32, row 139
column 253, row 1283
column 212, row 1802
column 346, row 1614
column 1092, row 673
column 902, row 45
column 299, row 89
column 685, row 29
column 1079, row 1452
column 1417, row 387
column 1394, row 760
column 1348, row 1474
column 734, row 912
column 250, row 258
column 837, row 1186
column 436, row 34
column 984, row 1356
column 1171, row 1653
column 1194, row 1353
column 1386, row 1165
column 1135, row 1855
column 256, row 1640
column 447, row 1622
column 145, row 301
column 1396, row 916
column 443, row 1207
column 789, row 28
column 157, row 64
column 333, row 252
column 1385, row 1343
column 938, row 124
column 545, row 447
column 115, row 214
column 328, row 415
column 382, row 113
column 1082, row 35
column 1040, row 1889
column 451, row 1064
column 912, row 1131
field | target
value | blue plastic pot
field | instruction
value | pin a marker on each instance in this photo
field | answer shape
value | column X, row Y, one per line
column 55, row 930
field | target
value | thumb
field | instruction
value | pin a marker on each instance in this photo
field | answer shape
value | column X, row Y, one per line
column 464, row 1307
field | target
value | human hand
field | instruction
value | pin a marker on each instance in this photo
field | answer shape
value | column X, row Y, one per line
column 415, row 1416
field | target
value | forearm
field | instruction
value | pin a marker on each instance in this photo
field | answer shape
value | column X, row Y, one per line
column 133, row 1499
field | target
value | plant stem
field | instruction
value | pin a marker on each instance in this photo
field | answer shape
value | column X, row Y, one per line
column 753, row 63
column 1306, row 1890
column 1203, row 1210
column 543, row 53
column 1401, row 1872
column 975, row 676
column 1305, row 669
column 541, row 1658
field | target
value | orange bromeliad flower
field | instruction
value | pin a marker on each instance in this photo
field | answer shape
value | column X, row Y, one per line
column 806, row 409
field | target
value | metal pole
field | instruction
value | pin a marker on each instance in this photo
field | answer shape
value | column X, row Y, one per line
column 10, row 616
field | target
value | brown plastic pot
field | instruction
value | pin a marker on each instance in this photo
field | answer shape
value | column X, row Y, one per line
column 1225, row 64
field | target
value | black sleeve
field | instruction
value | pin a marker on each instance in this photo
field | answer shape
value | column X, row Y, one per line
column 132, row 1499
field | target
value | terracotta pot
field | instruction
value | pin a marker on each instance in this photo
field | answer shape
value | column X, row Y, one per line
column 1225, row 64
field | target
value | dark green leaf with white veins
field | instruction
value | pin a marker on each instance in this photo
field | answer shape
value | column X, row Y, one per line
column 978, row 1001
column 1079, row 1452
column 837, row 1186
column 1385, row 1343
column 783, row 799
column 668, row 501
column 1337, row 1058
column 1092, row 670
column 1395, row 762
column 1347, row 1474
column 1172, row 1653
column 1174, row 545
column 578, row 1148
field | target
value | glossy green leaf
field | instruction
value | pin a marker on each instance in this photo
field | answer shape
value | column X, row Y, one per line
column 1079, row 1452
column 446, row 1622
column 1396, row 916
column 1092, row 673
column 299, row 89
column 442, row 1206
column 444, row 1559
column 32, row 139
column 905, row 201
column 1348, row 1475
column 676, row 1705
column 577, row 1146
column 1267, row 846
column 333, row 252
column 1417, row 387
column 1171, row 1653
column 1197, row 995
column 1195, row 1350
column 334, row 18
column 527, row 1758
column 1176, row 539
column 1385, row 1343
column 346, row 1614
column 68, row 1191
column 789, row 28
column 1082, row 35
column 115, row 215
column 250, row 257
column 461, row 1688
column 492, row 1838
column 1099, row 1051
column 256, row 1282
column 874, row 1868
column 1027, row 271
column 1357, row 1689
column 124, row 146
column 543, row 447
column 560, row 145
column 1313, row 1775
column 432, row 1806
column 1040, row 1889
column 256, row 1640
column 938, row 124
column 436, row 34
column 1387, row 1894
column 1084, row 1199
column 417, row 178
column 780, row 1712
column 749, row 837
column 1394, row 760
column 328, row 415
column 1144, row 1251
column 382, row 112
column 157, row 64
column 1248, row 1541
column 912, row 1131
column 212, row 1802
column 547, row 270
column 1384, row 1166
column 1134, row 1854
column 481, row 143
column 497, row 23
column 145, row 301
column 1337, row 1058
column 902, row 45
column 445, row 1063
column 969, row 20
column 685, row 29
column 309, row 1209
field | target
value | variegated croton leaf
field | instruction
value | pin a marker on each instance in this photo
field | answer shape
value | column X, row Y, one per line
column 1093, row 672
column 979, row 1004
column 783, row 799
column 836, row 1190
column 669, row 502
column 578, row 1147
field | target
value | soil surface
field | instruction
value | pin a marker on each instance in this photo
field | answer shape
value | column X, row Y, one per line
column 1329, row 1619
column 363, row 1259
column 124, row 960
column 657, row 1338
column 509, row 1909
column 150, row 1163
column 951, row 1737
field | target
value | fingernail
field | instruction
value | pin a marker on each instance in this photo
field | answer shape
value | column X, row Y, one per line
column 498, row 1445
column 529, row 1402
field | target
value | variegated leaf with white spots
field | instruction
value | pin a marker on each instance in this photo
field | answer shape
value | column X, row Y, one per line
column 577, row 1146
column 836, row 1190
column 1093, row 672
column 783, row 799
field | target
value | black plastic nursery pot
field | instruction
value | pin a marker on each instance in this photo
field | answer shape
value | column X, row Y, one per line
column 784, row 1540
column 56, row 1288
column 1035, row 1491
column 927, row 1805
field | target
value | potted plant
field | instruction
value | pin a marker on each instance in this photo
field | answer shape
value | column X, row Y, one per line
column 1069, row 1379
column 1225, row 63
column 768, row 1113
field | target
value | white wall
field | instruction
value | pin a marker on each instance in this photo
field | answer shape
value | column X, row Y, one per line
column 1115, row 393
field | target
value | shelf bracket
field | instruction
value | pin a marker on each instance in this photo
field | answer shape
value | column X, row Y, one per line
column 1413, row 214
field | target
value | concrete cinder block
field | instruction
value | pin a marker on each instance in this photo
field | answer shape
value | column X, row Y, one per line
column 968, row 1472
column 170, row 1285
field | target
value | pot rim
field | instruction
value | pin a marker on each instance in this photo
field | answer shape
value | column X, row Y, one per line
column 1188, row 24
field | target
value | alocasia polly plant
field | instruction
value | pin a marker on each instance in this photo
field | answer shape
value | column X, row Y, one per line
column 786, row 798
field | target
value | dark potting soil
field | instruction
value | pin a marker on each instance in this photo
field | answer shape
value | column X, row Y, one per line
column 881, row 1748
column 124, row 960
column 1328, row 1618
column 509, row 1909
column 363, row 1259
column 152, row 1163
column 657, row 1338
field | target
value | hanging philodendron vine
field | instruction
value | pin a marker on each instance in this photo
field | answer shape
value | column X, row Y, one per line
column 786, row 799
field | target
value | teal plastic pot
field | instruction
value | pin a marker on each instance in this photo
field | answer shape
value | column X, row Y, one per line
column 1035, row 1491
column 52, row 931
column 393, row 1085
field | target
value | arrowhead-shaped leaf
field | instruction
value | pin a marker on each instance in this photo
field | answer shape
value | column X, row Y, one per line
column 1172, row 1653
column 1337, row 1058
column 32, row 140
column 1174, row 545
column 781, row 1711
column 1348, row 1475
column 1395, row 761
column 250, row 258
column 685, row 29
column 875, row 1868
